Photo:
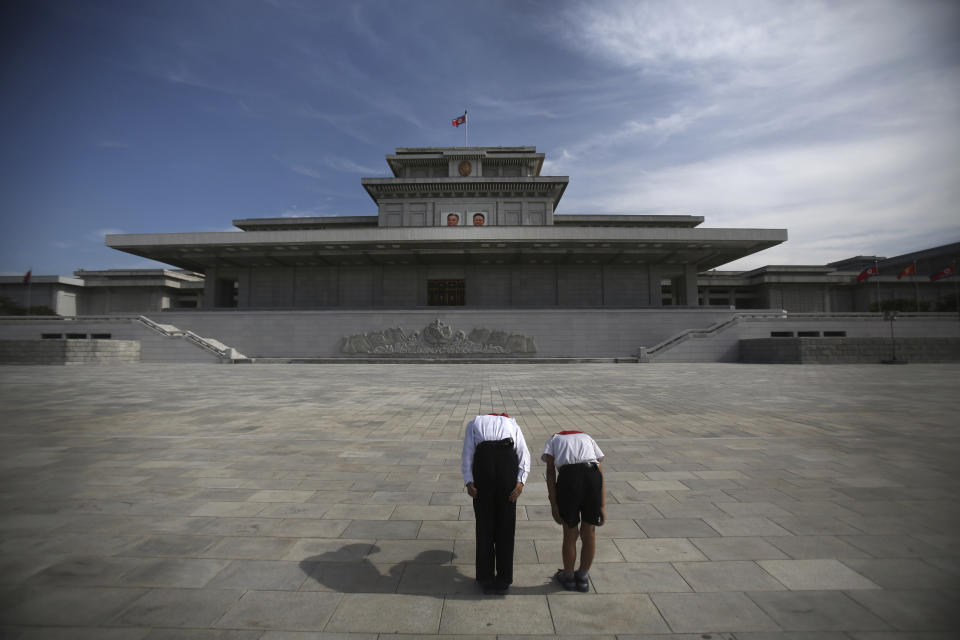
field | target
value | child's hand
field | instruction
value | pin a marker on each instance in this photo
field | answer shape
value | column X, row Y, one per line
column 603, row 516
column 472, row 490
column 517, row 490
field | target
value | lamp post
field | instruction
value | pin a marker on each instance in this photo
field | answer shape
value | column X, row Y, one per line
column 891, row 316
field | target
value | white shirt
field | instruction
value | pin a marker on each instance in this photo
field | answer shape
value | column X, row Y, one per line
column 570, row 447
column 483, row 428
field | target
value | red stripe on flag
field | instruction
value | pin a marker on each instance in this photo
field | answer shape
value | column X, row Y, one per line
column 943, row 273
column 869, row 272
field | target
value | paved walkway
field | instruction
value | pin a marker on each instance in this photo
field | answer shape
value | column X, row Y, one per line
column 295, row 502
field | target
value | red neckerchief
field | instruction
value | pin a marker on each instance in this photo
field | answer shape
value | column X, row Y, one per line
column 498, row 414
column 567, row 433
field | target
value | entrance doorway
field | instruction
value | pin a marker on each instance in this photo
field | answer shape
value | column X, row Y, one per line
column 445, row 293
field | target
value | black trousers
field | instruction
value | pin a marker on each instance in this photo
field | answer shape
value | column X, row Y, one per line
column 495, row 476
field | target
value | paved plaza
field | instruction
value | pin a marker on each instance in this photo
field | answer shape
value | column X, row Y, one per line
column 282, row 502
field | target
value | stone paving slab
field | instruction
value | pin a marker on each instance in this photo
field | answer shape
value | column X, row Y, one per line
column 292, row 502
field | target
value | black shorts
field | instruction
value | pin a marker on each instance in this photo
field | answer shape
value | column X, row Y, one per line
column 579, row 493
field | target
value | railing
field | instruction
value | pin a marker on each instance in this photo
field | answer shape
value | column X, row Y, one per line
column 645, row 353
column 226, row 353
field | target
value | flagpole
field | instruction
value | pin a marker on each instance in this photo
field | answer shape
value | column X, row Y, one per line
column 916, row 286
column 876, row 267
column 466, row 128
column 956, row 287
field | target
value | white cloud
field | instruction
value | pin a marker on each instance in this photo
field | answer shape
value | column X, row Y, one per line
column 304, row 170
column 100, row 235
column 346, row 165
column 835, row 199
column 749, row 43
column 345, row 124
column 296, row 212
column 836, row 121
column 655, row 131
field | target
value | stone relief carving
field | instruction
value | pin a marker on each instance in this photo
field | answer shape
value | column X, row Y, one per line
column 438, row 337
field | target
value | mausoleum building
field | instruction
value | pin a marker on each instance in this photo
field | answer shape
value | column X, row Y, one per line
column 465, row 255
column 471, row 227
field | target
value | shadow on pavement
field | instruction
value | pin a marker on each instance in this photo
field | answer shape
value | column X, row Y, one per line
column 353, row 569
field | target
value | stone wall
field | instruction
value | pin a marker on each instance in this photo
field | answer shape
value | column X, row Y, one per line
column 154, row 347
column 566, row 333
column 847, row 350
column 724, row 345
column 69, row 351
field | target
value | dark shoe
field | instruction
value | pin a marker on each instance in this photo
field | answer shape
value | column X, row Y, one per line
column 581, row 581
column 565, row 579
column 500, row 589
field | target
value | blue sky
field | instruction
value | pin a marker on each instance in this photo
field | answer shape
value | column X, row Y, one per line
column 839, row 121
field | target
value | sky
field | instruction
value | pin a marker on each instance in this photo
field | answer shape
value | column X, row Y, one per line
column 838, row 121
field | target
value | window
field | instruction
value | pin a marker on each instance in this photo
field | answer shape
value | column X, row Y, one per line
column 445, row 293
column 781, row 334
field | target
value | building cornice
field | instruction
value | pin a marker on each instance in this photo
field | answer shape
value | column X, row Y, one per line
column 705, row 248
column 483, row 187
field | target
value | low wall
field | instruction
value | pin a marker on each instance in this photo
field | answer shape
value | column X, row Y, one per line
column 555, row 333
column 724, row 345
column 847, row 350
column 69, row 351
column 154, row 347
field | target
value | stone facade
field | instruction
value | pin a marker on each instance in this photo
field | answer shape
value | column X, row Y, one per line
column 848, row 350
column 473, row 227
column 69, row 351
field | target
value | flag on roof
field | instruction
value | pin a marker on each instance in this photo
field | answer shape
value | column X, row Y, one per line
column 460, row 120
column 911, row 270
column 944, row 273
column 869, row 272
column 26, row 276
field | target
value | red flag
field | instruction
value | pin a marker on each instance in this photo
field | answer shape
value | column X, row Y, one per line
column 869, row 272
column 909, row 271
column 460, row 120
column 26, row 277
column 944, row 273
